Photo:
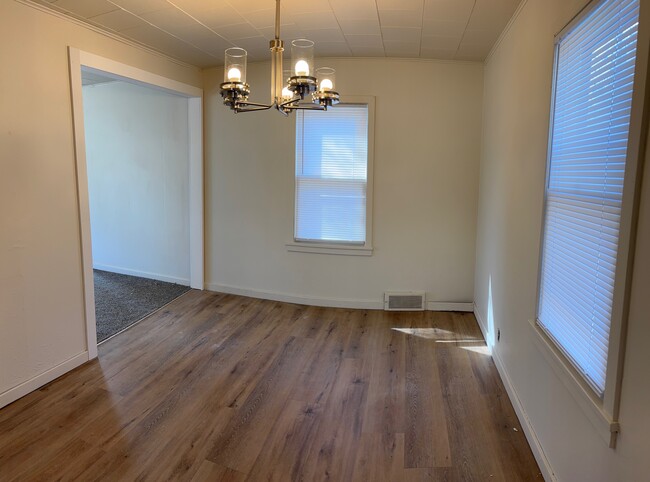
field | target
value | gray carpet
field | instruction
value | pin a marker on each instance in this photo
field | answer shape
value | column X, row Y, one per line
column 121, row 300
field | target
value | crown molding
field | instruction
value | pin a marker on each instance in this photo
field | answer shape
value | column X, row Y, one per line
column 505, row 31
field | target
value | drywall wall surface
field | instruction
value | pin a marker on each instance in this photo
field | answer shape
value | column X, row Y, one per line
column 137, row 153
column 41, row 291
column 518, row 81
column 425, row 188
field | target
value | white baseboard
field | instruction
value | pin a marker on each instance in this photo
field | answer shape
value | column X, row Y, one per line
column 481, row 322
column 449, row 306
column 329, row 302
column 529, row 430
column 38, row 381
column 298, row 299
column 142, row 274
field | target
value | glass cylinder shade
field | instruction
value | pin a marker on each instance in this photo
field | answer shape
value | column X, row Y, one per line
column 326, row 79
column 302, row 58
column 286, row 93
column 235, row 65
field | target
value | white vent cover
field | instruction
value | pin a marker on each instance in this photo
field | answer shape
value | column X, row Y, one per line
column 404, row 301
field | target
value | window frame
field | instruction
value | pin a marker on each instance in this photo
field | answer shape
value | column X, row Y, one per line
column 342, row 247
column 603, row 412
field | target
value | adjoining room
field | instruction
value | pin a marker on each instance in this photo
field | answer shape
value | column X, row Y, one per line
column 137, row 156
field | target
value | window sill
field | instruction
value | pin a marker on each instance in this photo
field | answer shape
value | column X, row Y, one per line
column 589, row 403
column 324, row 248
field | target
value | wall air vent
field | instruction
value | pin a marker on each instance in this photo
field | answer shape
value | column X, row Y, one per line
column 404, row 301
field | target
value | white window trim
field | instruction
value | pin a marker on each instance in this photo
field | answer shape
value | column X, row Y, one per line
column 329, row 248
column 342, row 248
column 603, row 412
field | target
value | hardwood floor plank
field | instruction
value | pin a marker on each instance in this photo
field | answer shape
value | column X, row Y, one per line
column 426, row 438
column 225, row 388
column 385, row 408
column 33, row 445
column 182, row 455
column 241, row 441
column 319, row 373
column 245, row 374
column 437, row 474
column 193, row 364
column 474, row 445
column 380, row 457
column 333, row 448
column 355, row 346
column 502, row 419
column 286, row 444
column 19, row 420
column 211, row 472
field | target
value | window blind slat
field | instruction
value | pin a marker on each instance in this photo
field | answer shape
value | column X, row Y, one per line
column 563, row 305
column 597, row 71
column 605, row 89
column 593, row 96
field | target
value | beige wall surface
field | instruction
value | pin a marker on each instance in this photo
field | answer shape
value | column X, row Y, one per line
column 41, row 297
column 515, row 131
column 427, row 148
column 137, row 155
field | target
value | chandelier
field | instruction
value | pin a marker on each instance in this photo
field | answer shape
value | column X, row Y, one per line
column 287, row 93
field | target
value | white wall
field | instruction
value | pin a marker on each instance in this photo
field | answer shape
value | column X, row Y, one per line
column 427, row 148
column 515, row 132
column 137, row 153
column 41, row 291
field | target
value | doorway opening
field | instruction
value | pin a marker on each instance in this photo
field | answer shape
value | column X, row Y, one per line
column 138, row 140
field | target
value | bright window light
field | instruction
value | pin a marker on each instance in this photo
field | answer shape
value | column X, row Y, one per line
column 332, row 174
column 584, row 193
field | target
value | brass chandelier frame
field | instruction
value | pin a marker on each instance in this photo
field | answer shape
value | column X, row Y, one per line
column 235, row 93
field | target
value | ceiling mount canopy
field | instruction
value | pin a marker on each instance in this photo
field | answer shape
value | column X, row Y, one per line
column 288, row 92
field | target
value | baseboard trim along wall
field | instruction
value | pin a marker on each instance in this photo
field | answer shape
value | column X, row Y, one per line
column 38, row 381
column 529, row 431
column 298, row 299
column 142, row 274
column 329, row 302
column 449, row 306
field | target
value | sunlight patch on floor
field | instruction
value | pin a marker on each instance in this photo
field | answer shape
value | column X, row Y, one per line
column 438, row 335
column 429, row 333
column 480, row 349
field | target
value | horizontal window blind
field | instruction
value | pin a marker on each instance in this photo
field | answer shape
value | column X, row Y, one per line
column 331, row 174
column 591, row 118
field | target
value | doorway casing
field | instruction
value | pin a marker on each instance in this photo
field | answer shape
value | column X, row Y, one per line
column 119, row 71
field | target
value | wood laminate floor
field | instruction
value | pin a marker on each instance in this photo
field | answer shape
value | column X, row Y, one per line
column 219, row 387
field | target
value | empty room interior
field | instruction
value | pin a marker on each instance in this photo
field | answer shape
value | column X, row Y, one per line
column 137, row 156
column 342, row 240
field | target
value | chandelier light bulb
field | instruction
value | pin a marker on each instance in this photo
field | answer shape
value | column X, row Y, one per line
column 302, row 68
column 234, row 75
column 286, row 93
column 326, row 85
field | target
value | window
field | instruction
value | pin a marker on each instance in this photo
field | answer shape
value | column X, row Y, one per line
column 332, row 195
column 594, row 76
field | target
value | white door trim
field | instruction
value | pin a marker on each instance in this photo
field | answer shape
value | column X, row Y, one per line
column 79, row 58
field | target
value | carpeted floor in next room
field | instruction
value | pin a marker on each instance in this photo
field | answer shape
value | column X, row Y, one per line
column 121, row 300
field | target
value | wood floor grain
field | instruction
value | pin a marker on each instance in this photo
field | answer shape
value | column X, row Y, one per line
column 219, row 387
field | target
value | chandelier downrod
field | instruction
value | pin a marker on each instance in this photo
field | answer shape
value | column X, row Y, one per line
column 277, row 19
column 277, row 49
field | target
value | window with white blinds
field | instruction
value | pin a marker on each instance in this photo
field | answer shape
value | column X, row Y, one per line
column 332, row 174
column 589, row 133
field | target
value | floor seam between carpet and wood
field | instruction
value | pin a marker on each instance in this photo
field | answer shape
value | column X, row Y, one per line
column 122, row 300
